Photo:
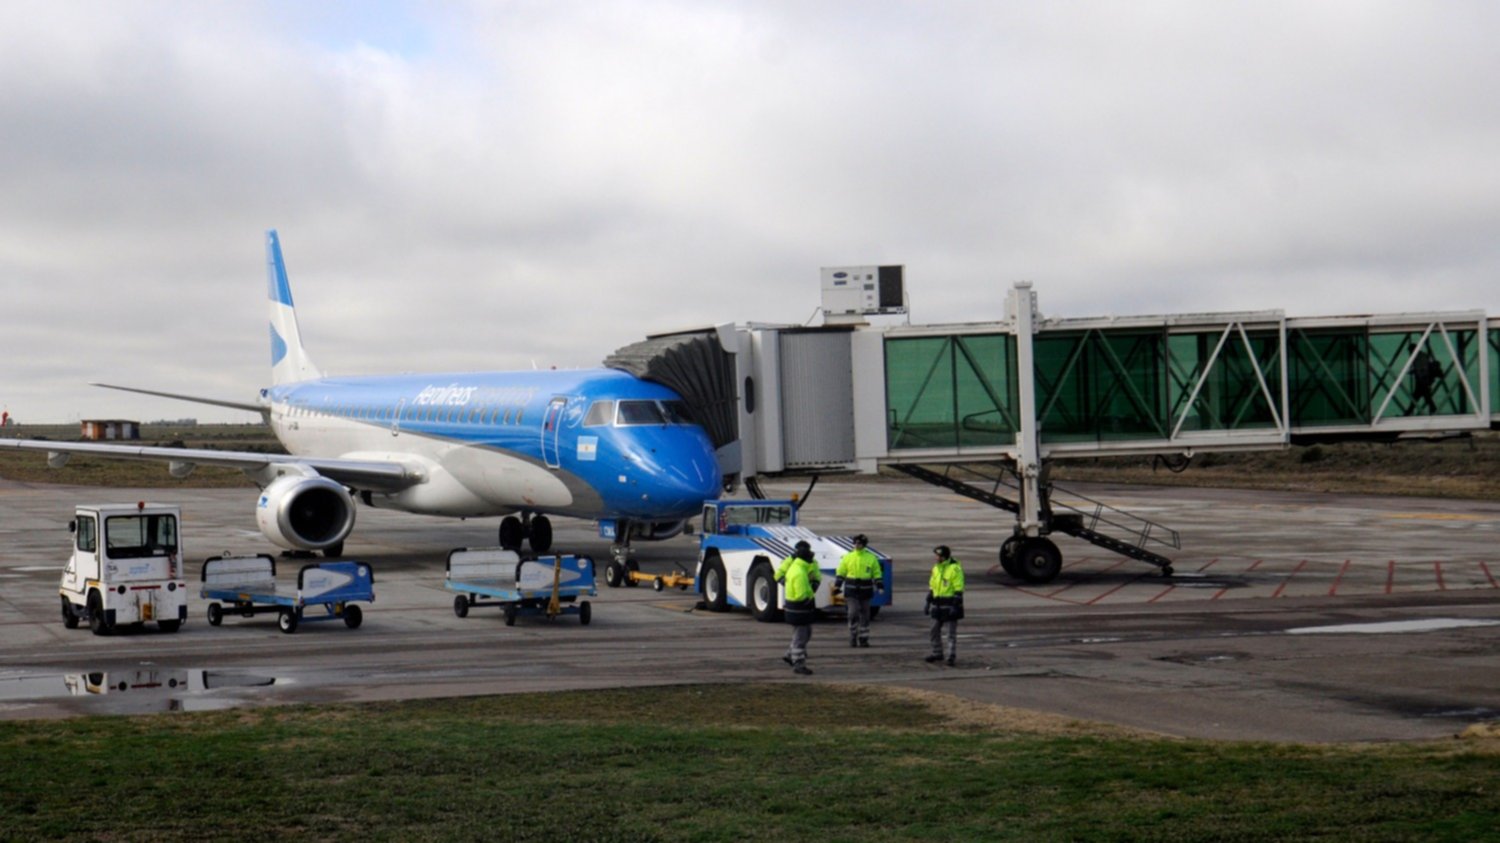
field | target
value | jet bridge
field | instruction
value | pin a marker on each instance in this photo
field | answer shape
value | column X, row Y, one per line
column 983, row 408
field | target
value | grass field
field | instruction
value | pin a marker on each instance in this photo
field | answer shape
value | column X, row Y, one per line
column 31, row 467
column 772, row 762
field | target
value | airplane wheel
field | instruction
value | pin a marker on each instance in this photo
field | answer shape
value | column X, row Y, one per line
column 461, row 606
column 714, row 595
column 511, row 533
column 614, row 574
column 585, row 614
column 630, row 568
column 353, row 617
column 70, row 620
column 541, row 534
column 215, row 614
column 286, row 621
column 1039, row 560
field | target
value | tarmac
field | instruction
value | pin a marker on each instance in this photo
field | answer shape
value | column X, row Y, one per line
column 1297, row 617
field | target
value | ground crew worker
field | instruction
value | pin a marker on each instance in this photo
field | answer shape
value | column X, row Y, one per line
column 945, row 602
column 859, row 577
column 799, row 576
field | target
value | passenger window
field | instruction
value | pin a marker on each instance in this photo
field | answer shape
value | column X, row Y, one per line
column 600, row 414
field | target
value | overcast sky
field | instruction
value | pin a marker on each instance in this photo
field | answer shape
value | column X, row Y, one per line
column 500, row 185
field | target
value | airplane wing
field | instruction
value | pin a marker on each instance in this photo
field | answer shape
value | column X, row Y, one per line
column 385, row 475
column 233, row 405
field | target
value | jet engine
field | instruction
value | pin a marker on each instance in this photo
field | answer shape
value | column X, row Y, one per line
column 305, row 513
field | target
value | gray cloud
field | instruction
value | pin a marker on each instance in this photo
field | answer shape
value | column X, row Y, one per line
column 507, row 184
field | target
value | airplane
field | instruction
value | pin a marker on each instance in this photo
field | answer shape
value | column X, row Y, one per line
column 597, row 444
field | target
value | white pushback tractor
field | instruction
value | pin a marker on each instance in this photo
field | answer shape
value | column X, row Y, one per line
column 126, row 568
column 742, row 543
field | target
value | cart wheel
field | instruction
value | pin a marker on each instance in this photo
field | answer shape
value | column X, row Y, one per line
column 70, row 620
column 97, row 623
column 287, row 621
column 585, row 614
column 353, row 617
column 510, row 614
column 215, row 614
column 658, row 584
column 461, row 606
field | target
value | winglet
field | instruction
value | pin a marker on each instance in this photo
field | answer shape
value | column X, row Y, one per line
column 289, row 361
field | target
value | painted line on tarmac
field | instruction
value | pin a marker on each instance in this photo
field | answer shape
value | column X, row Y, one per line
column 1488, row 575
column 1425, row 625
column 1333, row 589
column 1284, row 583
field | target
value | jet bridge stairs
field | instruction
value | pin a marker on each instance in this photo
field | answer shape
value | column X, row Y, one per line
column 1036, row 559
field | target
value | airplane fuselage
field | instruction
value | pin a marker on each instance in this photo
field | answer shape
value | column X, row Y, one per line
column 585, row 443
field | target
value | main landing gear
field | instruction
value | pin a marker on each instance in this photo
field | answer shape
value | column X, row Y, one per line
column 536, row 530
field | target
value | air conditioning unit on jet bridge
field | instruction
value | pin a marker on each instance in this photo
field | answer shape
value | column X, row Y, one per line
column 853, row 292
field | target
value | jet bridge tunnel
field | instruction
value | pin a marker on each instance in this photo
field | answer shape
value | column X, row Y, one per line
column 981, row 408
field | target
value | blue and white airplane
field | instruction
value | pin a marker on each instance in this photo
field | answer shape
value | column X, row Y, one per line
column 592, row 443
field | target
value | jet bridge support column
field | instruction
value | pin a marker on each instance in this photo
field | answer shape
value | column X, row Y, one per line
column 1022, row 306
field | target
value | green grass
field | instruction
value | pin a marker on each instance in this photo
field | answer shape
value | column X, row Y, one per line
column 789, row 762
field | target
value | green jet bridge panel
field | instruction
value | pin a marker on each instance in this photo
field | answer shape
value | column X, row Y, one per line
column 982, row 408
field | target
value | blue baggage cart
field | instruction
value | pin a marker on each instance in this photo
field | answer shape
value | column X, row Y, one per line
column 248, row 585
column 549, row 585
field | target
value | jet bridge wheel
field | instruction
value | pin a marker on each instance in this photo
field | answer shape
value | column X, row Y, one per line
column 1008, row 550
column 1038, row 560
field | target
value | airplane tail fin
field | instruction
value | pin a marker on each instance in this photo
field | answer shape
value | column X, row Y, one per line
column 289, row 361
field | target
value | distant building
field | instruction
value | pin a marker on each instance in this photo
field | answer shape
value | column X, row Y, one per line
column 111, row 429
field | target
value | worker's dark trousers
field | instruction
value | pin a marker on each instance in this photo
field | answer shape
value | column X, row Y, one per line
column 937, row 638
column 859, row 617
column 797, row 652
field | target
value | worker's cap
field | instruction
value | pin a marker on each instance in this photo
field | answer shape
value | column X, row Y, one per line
column 942, row 551
column 861, row 540
column 802, row 546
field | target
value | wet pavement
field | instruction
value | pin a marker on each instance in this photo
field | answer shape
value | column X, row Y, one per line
column 1290, row 616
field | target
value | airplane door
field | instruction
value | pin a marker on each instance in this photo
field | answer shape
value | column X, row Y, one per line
column 551, row 429
column 396, row 417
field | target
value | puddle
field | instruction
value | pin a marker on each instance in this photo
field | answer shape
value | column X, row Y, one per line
column 135, row 689
column 1424, row 625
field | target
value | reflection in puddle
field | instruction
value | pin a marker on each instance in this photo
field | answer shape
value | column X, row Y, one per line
column 136, row 689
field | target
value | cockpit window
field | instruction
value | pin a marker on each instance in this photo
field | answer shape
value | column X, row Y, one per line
column 600, row 414
column 640, row 412
column 650, row 412
column 676, row 412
